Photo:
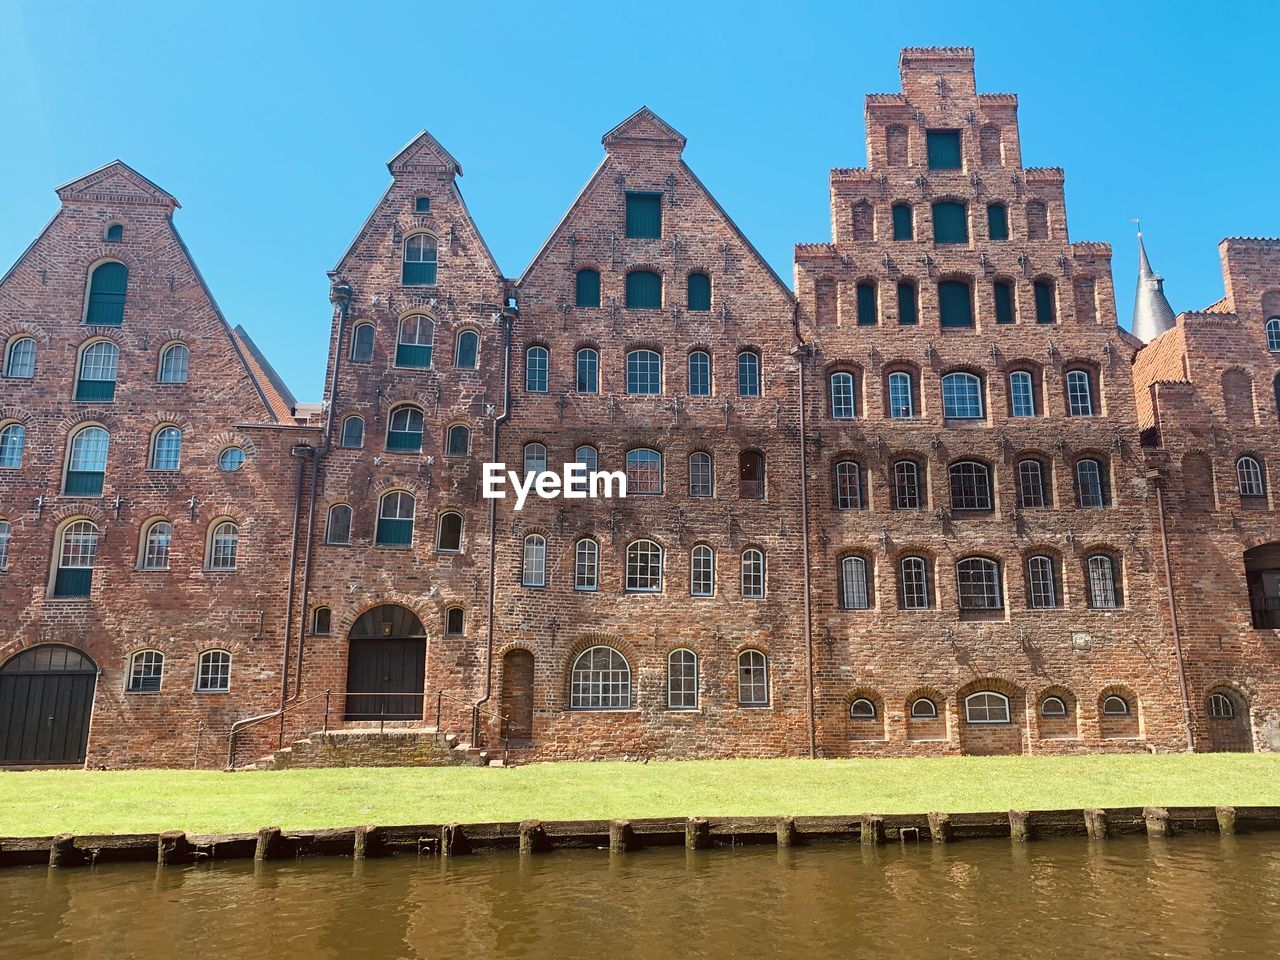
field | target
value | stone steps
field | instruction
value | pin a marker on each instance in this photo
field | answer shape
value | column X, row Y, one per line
column 355, row 746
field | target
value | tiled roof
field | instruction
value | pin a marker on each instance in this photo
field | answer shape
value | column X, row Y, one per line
column 277, row 395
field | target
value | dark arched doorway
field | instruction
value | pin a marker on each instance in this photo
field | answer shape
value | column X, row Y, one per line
column 1262, row 573
column 386, row 655
column 517, row 696
column 46, row 700
column 1228, row 720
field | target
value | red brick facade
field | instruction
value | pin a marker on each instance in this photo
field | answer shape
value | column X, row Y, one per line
column 919, row 506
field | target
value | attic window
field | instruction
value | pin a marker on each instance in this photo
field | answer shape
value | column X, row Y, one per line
column 421, row 204
column 942, row 148
column 644, row 215
column 115, row 233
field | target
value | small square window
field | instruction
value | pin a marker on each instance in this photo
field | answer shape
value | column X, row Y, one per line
column 422, row 205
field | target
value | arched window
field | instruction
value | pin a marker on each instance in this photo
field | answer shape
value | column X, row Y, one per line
column 1032, row 493
column 950, row 222
column 21, row 359
column 702, row 571
column 1079, row 393
column 13, row 440
column 862, row 709
column 588, row 457
column 955, row 304
column 419, row 261
column 157, row 538
column 146, row 672
column 213, row 674
column 466, row 350
column 404, row 430
column 699, row 374
column 923, row 708
column 986, row 706
column 533, row 568
column 352, row 433
column 586, row 565
column 395, row 519
column 1273, row 333
column 1220, row 706
column 970, row 486
column 166, row 449
column 458, row 442
column 753, row 574
column 751, row 475
column 644, row 472
column 902, row 404
column 362, row 343
column 903, row 222
column 449, row 532
column 455, row 622
column 978, row 584
column 1104, row 587
column 644, row 373
column 338, row 529
column 537, row 362
column 848, row 485
column 231, row 459
column 854, row 592
column 962, row 397
column 997, row 221
column 1042, row 582
column 913, row 584
column 107, row 287
column 699, row 292
column 224, row 545
column 682, row 680
column 587, row 287
column 77, row 553
column 644, row 567
column 600, row 680
column 644, row 290
column 86, row 463
column 748, row 374
column 97, row 380
column 321, row 621
column 1022, row 394
column 414, row 344
column 906, row 485
column 1053, row 707
column 114, row 233
column 701, row 478
column 1249, row 477
column 1115, row 706
column 6, row 535
column 844, row 397
column 588, row 370
column 1044, row 297
column 753, row 679
column 175, row 363
column 535, row 459
column 1091, row 487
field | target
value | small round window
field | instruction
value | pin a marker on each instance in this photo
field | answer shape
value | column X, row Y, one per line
column 231, row 459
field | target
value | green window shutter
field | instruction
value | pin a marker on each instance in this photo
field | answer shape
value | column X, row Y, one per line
column 997, row 221
column 644, row 290
column 699, row 291
column 644, row 215
column 902, row 225
column 73, row 582
column 954, row 305
column 115, row 233
column 413, row 355
column 1004, row 302
column 907, row 305
column 394, row 533
column 99, row 391
column 418, row 274
column 950, row 225
column 866, row 304
column 106, row 295
column 1044, row 302
column 943, row 149
column 587, row 293
column 84, row 483
column 404, row 441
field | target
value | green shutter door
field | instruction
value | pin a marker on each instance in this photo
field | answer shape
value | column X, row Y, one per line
column 1044, row 302
column 902, row 226
column 588, row 288
column 699, row 291
column 1004, row 303
column 866, row 304
column 907, row 305
column 950, row 224
column 997, row 221
column 943, row 148
column 954, row 306
column 644, row 215
column 73, row 582
column 394, row 533
column 106, row 295
column 644, row 290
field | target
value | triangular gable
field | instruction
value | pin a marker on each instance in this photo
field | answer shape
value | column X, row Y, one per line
column 424, row 154
column 116, row 182
column 644, row 126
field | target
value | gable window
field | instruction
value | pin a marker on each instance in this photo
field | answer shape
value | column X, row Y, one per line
column 844, row 398
column 906, row 485
column 699, row 374
column 1091, row 488
column 986, row 707
column 751, row 475
column 352, row 433
column 1273, row 337
column 1032, row 494
column 175, row 363
column 942, row 148
column 908, row 315
column 421, row 204
column 970, row 486
column 1103, row 587
column 536, row 369
column 455, row 622
column 748, row 374
column 853, row 584
column 362, row 343
column 232, row 458
column 458, row 441
column 449, row 532
column 588, row 457
column 962, row 397
column 1003, row 294
column 1044, row 301
column 950, row 222
column 587, row 288
column 699, row 298
column 533, row 569
column 644, row 373
column 97, row 380
column 395, row 519
column 224, row 545
column 321, row 620
column 114, row 233
column 21, row 359
column 682, row 680
column 1042, row 587
column 702, row 571
column 644, row 290
column 753, row 679
column 700, row 475
column 1249, row 477
column 13, row 439
column 213, row 675
column 586, row 565
column 404, row 430
column 6, row 535
column 848, row 483
column 903, row 227
column 166, row 449
column 978, row 584
column 644, row 215
column 157, row 538
column 901, row 396
column 1079, row 393
column 1022, row 394
column 413, row 349
column 338, row 529
column 77, row 554
column 86, row 463
column 419, row 261
column 107, row 287
column 600, row 680
column 644, row 472
column 913, row 583
column 644, row 567
column 955, row 306
column 866, row 298
column 752, row 574
column 535, row 459
column 588, row 370
column 466, row 350
column 997, row 221
column 146, row 671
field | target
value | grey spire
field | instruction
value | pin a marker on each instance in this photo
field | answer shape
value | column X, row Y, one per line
column 1152, row 314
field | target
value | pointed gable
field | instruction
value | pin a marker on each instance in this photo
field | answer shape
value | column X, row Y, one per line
column 643, row 128
column 424, row 154
column 116, row 183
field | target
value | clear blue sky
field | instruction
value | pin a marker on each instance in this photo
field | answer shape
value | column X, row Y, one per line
column 272, row 122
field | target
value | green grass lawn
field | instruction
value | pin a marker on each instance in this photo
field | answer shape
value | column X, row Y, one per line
column 46, row 802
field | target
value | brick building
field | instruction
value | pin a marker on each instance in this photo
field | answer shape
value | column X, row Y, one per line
column 921, row 505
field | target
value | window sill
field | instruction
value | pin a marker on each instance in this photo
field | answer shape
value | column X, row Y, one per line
column 391, row 546
column 152, row 569
column 613, row 710
column 142, row 693
column 214, row 693
column 218, row 569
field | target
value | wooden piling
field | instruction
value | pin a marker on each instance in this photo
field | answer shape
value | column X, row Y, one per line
column 940, row 827
column 872, row 831
column 1019, row 827
column 697, row 833
column 533, row 837
column 1157, row 820
column 63, row 852
column 268, row 845
column 1226, row 820
column 453, row 840
column 786, row 832
column 366, row 843
column 620, row 836
column 172, row 848
column 1095, row 824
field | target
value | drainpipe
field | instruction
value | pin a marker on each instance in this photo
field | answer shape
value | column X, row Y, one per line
column 1157, row 477
column 507, row 318
column 296, row 453
column 801, row 353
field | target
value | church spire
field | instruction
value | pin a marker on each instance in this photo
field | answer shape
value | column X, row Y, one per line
column 1152, row 314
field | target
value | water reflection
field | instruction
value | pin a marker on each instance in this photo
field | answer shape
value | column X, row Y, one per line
column 1189, row 897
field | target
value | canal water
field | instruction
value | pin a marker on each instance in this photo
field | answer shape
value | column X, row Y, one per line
column 1188, row 897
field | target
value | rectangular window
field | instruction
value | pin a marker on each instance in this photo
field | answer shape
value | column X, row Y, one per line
column 588, row 371
column 1041, row 589
column 903, row 228
column 699, row 374
column 943, row 149
column 586, row 566
column 644, row 215
column 901, row 402
column 866, row 304
column 997, row 221
column 702, row 575
column 682, row 680
column 954, row 305
column 950, row 223
column 1004, row 302
column 907, row 316
column 1044, row 302
column 422, row 205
